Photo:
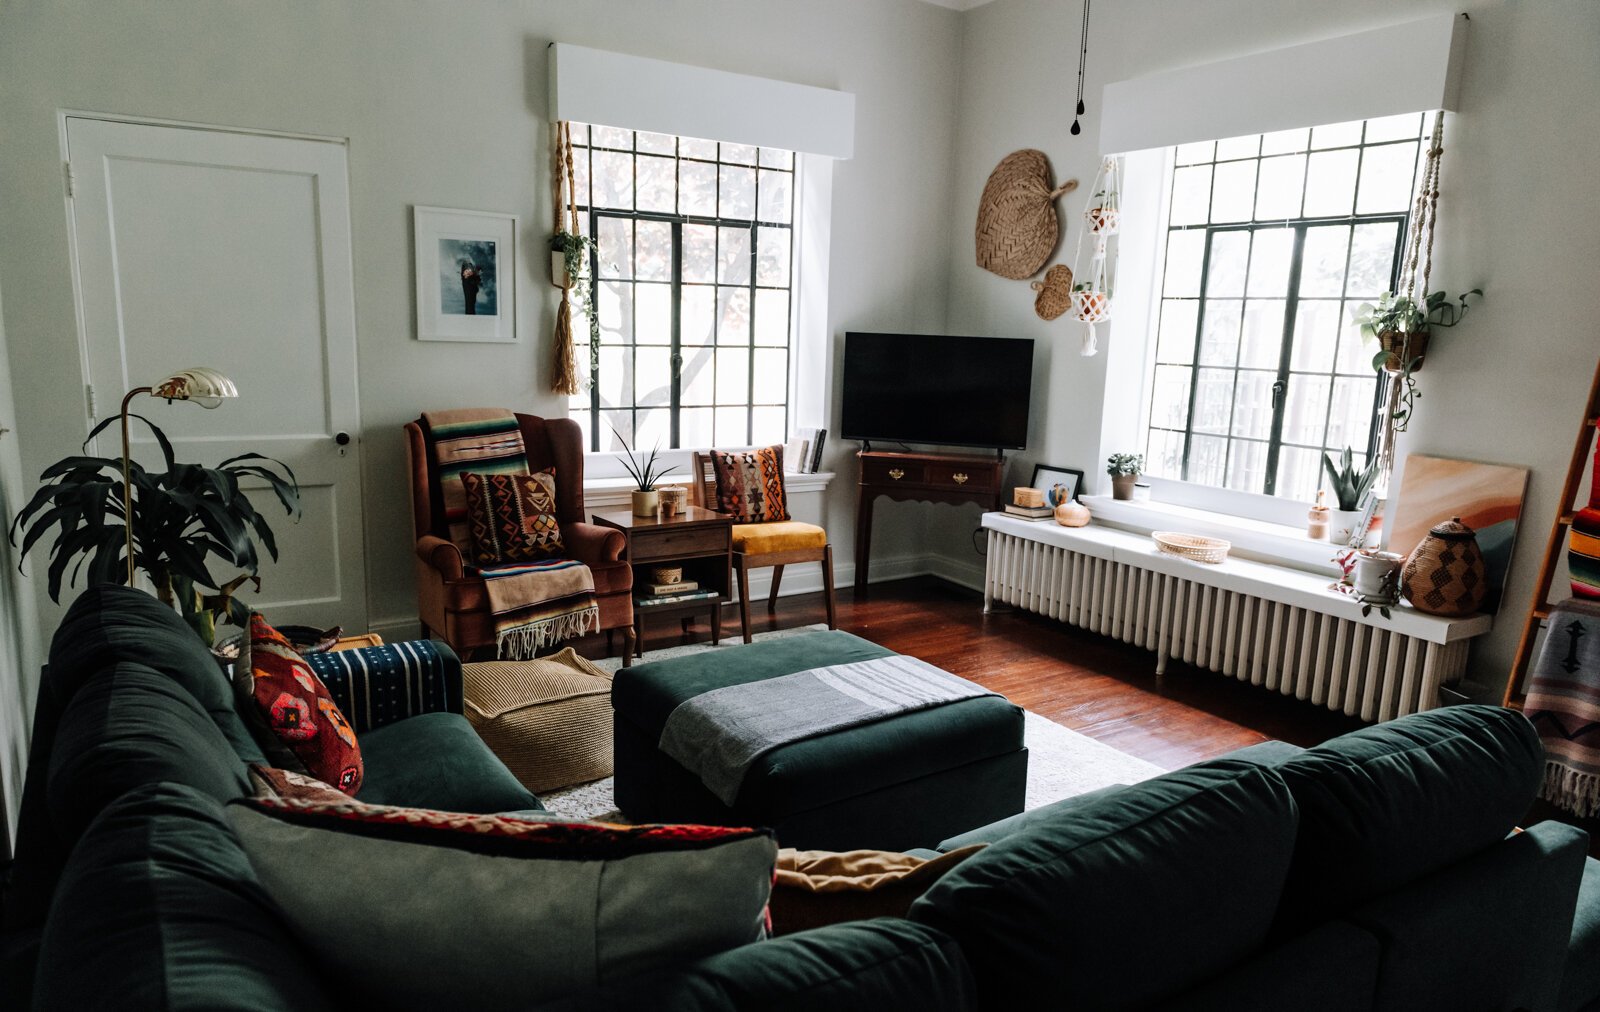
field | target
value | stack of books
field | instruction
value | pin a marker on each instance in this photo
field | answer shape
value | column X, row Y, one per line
column 656, row 594
column 803, row 453
column 1035, row 508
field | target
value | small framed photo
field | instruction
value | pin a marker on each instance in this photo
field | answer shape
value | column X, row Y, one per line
column 466, row 267
column 1059, row 484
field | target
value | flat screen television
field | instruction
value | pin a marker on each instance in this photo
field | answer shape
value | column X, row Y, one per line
column 956, row 391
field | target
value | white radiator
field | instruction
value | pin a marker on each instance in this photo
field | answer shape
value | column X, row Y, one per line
column 1176, row 609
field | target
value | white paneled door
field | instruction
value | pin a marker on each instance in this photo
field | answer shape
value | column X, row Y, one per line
column 203, row 247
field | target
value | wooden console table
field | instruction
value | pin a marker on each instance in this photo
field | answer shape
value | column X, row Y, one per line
column 921, row 477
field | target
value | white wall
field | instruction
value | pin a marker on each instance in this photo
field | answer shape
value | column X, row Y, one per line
column 1519, row 217
column 444, row 103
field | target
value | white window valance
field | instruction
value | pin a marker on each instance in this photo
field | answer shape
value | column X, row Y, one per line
column 1410, row 67
column 636, row 93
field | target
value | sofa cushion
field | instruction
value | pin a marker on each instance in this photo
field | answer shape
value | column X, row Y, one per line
column 1580, row 981
column 130, row 726
column 1126, row 901
column 109, row 624
column 296, row 719
column 160, row 909
column 503, row 912
column 885, row 965
column 436, row 760
column 1386, row 804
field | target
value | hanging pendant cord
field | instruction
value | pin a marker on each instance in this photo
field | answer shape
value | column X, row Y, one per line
column 1083, row 62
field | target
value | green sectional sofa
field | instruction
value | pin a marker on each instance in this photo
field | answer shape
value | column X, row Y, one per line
column 1381, row 870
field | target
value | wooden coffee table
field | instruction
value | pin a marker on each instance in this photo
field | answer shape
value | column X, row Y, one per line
column 697, row 539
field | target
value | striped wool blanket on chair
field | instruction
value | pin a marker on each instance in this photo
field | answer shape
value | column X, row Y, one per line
column 535, row 604
column 1564, row 704
column 1583, row 544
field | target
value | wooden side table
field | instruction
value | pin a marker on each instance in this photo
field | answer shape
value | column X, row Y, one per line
column 697, row 539
column 924, row 477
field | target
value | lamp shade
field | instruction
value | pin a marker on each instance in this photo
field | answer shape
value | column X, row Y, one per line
column 205, row 387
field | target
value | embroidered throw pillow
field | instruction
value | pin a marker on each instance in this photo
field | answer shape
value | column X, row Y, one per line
column 511, row 517
column 750, row 484
column 301, row 722
column 517, row 911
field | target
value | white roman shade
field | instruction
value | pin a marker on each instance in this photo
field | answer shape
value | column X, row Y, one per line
column 614, row 89
column 1410, row 67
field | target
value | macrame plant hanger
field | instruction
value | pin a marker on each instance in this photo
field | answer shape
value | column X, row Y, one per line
column 1102, row 219
column 565, row 371
column 1424, row 217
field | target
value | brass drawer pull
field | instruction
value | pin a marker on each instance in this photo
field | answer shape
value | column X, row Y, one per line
column 960, row 478
column 896, row 473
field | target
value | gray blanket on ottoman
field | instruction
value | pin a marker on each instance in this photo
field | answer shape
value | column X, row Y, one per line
column 718, row 734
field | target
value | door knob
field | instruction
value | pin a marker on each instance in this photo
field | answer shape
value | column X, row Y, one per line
column 342, row 438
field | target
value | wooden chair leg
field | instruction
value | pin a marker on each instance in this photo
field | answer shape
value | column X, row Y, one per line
column 744, row 599
column 827, row 585
column 629, row 638
column 611, row 642
column 772, row 596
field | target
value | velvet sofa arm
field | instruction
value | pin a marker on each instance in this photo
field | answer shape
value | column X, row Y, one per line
column 592, row 544
column 442, row 555
column 375, row 686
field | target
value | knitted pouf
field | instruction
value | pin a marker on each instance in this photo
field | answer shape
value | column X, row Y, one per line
column 548, row 719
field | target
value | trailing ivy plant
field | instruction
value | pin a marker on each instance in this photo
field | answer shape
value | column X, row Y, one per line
column 1399, row 317
column 181, row 517
column 574, row 250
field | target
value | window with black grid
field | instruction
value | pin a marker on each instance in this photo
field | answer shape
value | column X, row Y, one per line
column 1273, row 241
column 692, row 279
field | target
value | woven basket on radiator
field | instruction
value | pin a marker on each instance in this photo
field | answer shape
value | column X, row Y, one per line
column 1192, row 546
column 549, row 719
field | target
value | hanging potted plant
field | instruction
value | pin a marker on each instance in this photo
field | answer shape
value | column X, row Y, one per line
column 1103, row 216
column 1124, row 470
column 1349, row 487
column 568, row 251
column 1401, row 327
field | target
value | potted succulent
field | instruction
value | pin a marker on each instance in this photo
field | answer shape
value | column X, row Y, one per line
column 1401, row 326
column 1349, row 487
column 645, row 474
column 1124, row 470
column 181, row 516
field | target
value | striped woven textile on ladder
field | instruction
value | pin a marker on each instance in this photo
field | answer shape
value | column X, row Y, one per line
column 1583, row 544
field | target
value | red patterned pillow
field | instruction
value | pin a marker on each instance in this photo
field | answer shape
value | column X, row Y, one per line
column 511, row 517
column 298, row 711
column 750, row 484
column 272, row 782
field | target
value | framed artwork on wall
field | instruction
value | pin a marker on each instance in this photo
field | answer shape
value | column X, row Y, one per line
column 466, row 271
column 1059, row 484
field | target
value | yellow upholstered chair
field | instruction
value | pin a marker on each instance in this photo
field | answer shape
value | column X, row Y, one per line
column 773, row 544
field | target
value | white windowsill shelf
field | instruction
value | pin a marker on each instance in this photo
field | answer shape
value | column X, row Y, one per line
column 1275, row 544
column 604, row 493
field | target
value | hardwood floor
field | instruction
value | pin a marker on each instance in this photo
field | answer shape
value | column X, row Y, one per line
column 1089, row 683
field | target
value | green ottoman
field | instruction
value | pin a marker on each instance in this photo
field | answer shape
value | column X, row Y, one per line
column 905, row 781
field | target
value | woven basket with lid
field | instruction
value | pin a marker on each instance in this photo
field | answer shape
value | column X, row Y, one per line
column 1017, row 227
column 1446, row 574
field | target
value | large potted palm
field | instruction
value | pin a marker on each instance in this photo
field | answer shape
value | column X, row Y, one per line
column 181, row 518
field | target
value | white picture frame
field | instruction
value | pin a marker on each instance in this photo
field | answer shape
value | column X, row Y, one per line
column 460, row 254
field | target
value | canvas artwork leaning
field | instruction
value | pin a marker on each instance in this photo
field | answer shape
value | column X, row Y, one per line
column 1487, row 498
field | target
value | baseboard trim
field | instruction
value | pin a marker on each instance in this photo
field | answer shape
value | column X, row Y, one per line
column 805, row 578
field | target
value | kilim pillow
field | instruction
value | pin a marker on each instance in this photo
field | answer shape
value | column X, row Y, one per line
column 514, row 911
column 302, row 724
column 511, row 517
column 271, row 782
column 750, row 484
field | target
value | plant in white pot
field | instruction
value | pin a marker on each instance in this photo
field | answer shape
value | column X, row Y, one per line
column 1124, row 470
column 645, row 474
column 1349, row 487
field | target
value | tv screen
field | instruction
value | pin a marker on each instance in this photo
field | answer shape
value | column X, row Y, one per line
column 958, row 391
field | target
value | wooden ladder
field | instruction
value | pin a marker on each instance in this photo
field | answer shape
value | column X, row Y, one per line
column 1539, row 608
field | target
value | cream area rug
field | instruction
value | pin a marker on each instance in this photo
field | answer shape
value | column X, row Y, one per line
column 1061, row 762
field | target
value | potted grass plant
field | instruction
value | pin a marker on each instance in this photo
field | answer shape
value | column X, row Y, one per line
column 1349, row 487
column 182, row 517
column 645, row 474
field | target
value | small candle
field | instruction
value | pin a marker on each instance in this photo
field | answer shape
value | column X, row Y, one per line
column 1317, row 520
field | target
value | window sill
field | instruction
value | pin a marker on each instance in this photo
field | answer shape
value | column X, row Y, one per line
column 608, row 492
column 1260, row 540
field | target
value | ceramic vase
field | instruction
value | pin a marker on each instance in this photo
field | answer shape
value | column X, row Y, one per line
column 1342, row 525
column 1122, row 485
column 1072, row 514
column 646, row 503
column 1377, row 575
column 558, row 270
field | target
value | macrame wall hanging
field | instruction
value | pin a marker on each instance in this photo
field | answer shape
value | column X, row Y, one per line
column 565, row 236
column 1083, row 61
column 1102, row 219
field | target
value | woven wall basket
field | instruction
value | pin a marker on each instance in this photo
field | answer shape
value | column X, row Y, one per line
column 1055, row 292
column 1017, row 226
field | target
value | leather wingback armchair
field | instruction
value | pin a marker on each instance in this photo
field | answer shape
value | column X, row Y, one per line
column 451, row 601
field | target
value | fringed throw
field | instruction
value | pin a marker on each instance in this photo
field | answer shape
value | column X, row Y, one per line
column 1583, row 543
column 1564, row 704
column 484, row 440
column 538, row 604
